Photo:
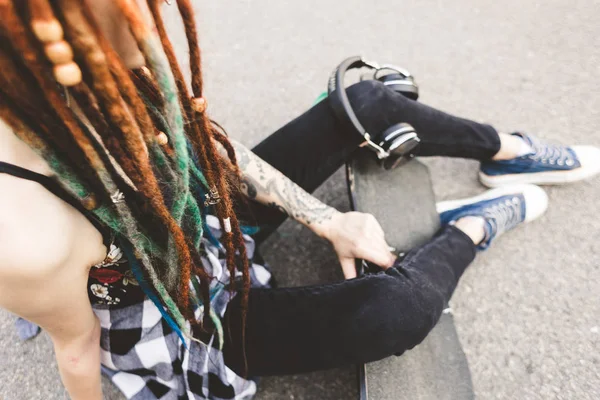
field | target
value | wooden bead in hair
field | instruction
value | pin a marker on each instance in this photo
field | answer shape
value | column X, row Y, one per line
column 47, row 31
column 89, row 202
column 199, row 104
column 59, row 52
column 44, row 23
column 67, row 74
column 162, row 138
column 146, row 71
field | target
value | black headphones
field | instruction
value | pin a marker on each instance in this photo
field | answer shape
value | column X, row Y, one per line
column 395, row 144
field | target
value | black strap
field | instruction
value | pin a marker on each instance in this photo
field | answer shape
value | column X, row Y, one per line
column 54, row 187
column 338, row 99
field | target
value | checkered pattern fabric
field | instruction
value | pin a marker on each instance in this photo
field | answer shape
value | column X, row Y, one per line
column 146, row 359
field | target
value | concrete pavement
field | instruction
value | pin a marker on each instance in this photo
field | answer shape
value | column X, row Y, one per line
column 527, row 311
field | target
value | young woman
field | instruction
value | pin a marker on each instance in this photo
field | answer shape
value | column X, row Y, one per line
column 120, row 205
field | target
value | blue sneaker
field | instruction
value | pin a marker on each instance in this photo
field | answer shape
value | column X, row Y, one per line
column 502, row 209
column 545, row 165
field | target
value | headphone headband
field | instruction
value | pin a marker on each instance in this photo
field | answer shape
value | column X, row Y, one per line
column 341, row 104
column 395, row 143
column 345, row 66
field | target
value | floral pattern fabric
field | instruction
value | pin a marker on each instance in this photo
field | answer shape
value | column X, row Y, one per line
column 112, row 283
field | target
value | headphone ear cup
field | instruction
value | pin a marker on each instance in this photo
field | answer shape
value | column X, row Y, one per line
column 401, row 84
column 400, row 140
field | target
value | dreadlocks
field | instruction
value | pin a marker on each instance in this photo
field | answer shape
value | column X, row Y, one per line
column 135, row 147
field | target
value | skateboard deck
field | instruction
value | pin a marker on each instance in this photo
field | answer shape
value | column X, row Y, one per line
column 403, row 202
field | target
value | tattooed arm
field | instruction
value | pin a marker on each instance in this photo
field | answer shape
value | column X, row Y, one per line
column 353, row 234
column 265, row 184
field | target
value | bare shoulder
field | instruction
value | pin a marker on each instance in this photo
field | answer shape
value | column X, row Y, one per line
column 36, row 230
column 30, row 216
column 45, row 244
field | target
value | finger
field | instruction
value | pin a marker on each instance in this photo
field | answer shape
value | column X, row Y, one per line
column 390, row 253
column 377, row 253
column 348, row 267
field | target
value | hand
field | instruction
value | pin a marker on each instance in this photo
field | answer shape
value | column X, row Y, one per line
column 357, row 235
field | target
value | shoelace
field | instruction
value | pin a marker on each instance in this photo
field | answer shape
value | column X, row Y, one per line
column 504, row 215
column 551, row 154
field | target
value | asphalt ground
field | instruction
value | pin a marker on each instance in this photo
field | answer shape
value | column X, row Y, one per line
column 527, row 311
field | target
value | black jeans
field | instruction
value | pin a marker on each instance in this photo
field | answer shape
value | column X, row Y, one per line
column 295, row 330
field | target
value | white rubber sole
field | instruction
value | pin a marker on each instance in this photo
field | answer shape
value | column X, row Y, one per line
column 536, row 199
column 589, row 157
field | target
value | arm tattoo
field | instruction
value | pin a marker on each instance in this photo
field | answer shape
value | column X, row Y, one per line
column 263, row 183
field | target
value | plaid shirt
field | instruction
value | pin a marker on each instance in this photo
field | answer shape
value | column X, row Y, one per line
column 146, row 359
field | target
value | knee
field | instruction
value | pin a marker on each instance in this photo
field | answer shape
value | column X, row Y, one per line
column 367, row 92
column 377, row 106
column 402, row 313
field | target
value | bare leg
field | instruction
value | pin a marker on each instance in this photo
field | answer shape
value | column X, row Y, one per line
column 473, row 227
column 510, row 147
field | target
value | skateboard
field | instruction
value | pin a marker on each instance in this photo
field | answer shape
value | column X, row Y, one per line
column 403, row 202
